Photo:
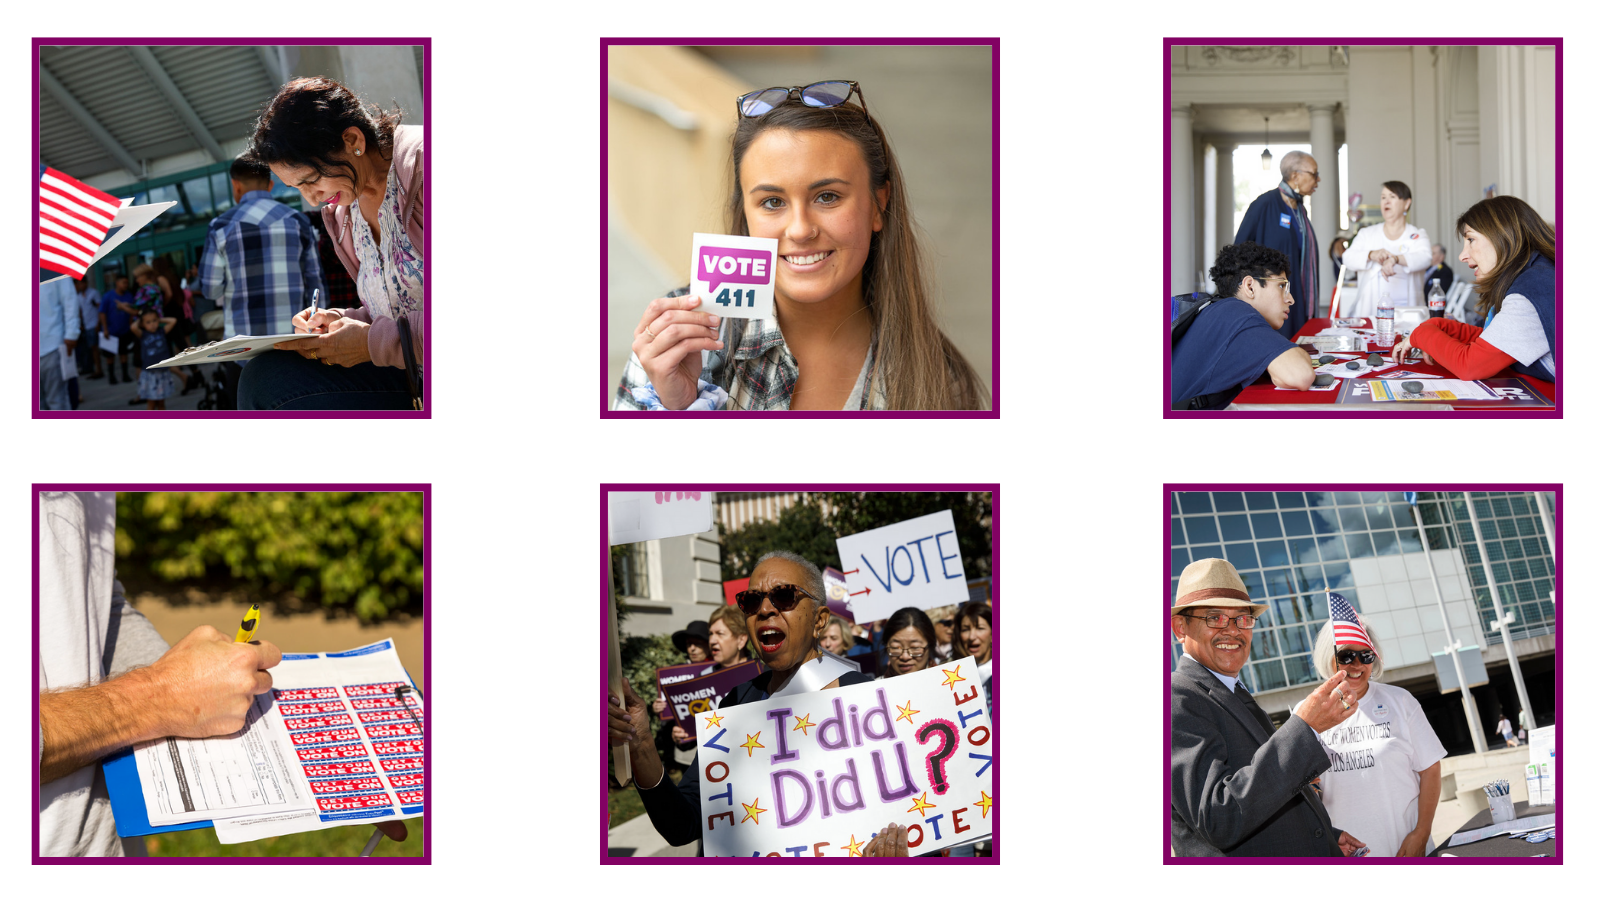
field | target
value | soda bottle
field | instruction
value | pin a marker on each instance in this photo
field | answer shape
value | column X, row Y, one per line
column 1435, row 300
column 1385, row 320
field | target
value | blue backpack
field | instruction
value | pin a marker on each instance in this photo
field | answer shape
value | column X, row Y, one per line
column 1183, row 310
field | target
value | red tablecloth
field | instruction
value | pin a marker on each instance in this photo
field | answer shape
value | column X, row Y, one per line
column 1263, row 391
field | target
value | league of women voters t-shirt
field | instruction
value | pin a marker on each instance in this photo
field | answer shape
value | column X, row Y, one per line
column 1377, row 757
column 1227, row 346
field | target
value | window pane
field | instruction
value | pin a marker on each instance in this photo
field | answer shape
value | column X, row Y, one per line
column 1266, row 525
column 1286, row 500
column 1496, row 552
column 1519, row 569
column 1263, row 644
column 1177, row 531
column 1206, row 551
column 1347, row 498
column 1352, row 519
column 1195, row 501
column 1243, row 556
column 1311, row 578
column 1287, row 611
column 1202, row 529
column 1180, row 559
column 1273, row 553
column 1315, row 499
column 1384, row 543
column 1253, row 585
column 1512, row 548
column 1293, row 640
column 1270, row 676
column 1258, row 500
column 1519, row 505
column 1296, row 523
column 1360, row 545
column 1319, row 603
column 1527, row 528
column 1532, row 547
column 1380, row 517
column 1488, row 527
column 1373, row 497
column 1235, row 528
column 1438, row 539
column 1300, row 671
column 1501, row 506
column 1228, row 501
column 1303, row 550
column 1277, row 582
column 1537, row 568
column 1338, row 578
column 1325, row 521
column 1332, row 548
column 1410, row 542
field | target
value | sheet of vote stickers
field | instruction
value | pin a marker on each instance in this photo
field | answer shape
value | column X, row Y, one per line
column 734, row 274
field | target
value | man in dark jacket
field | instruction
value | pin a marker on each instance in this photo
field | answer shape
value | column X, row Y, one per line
column 1278, row 219
column 1239, row 788
column 1438, row 269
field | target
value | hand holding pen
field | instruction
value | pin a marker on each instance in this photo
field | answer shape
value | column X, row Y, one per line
column 305, row 322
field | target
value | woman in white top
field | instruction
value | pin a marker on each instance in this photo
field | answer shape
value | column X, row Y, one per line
column 1384, row 780
column 1390, row 255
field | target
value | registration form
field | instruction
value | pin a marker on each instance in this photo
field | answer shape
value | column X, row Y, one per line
column 355, row 726
column 251, row 771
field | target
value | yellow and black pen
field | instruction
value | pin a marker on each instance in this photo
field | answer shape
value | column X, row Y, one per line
column 247, row 626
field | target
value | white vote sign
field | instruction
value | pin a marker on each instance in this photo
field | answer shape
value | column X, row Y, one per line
column 734, row 274
column 819, row 773
column 911, row 563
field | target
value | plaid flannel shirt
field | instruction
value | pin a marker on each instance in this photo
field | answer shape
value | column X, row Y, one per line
column 260, row 265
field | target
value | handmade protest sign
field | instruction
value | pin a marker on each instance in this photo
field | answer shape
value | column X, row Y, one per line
column 911, row 563
column 696, row 687
column 734, row 274
column 817, row 774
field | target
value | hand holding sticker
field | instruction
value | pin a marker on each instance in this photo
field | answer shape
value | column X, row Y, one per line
column 735, row 274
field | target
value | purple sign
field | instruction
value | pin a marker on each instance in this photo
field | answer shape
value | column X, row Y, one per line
column 686, row 699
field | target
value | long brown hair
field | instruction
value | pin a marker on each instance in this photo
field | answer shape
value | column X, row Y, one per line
column 916, row 366
column 1517, row 234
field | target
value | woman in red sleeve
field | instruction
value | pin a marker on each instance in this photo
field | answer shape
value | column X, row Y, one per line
column 1512, row 251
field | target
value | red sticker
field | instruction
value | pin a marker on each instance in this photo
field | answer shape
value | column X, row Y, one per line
column 318, row 693
column 410, row 779
column 342, row 751
column 336, row 736
column 316, row 722
column 360, row 801
column 346, row 785
column 402, row 764
column 333, row 770
column 372, row 690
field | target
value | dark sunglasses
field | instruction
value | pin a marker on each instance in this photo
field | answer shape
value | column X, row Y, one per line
column 784, row 598
column 1346, row 657
column 822, row 95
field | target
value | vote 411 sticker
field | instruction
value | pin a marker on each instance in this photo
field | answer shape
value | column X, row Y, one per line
column 734, row 274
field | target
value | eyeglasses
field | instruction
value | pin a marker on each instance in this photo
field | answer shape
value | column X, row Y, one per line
column 821, row 95
column 946, row 622
column 1346, row 657
column 784, row 598
column 1218, row 620
column 913, row 652
column 1312, row 172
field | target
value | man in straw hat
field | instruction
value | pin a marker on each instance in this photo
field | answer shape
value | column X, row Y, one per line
column 1239, row 788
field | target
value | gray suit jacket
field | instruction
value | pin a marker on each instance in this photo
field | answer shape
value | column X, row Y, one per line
column 1237, row 789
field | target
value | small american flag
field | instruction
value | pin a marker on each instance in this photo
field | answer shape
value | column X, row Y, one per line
column 1346, row 630
column 73, row 221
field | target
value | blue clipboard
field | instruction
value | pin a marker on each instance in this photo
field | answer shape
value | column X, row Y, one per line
column 127, row 797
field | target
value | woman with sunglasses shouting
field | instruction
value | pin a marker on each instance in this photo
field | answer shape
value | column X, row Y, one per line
column 784, row 614
column 1384, row 780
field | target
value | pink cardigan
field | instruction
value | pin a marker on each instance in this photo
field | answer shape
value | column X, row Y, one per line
column 383, row 338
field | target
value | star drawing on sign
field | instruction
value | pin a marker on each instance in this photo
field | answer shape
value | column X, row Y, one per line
column 984, row 803
column 713, row 720
column 804, row 725
column 951, row 677
column 921, row 805
column 855, row 846
column 906, row 712
column 752, row 743
column 752, row 811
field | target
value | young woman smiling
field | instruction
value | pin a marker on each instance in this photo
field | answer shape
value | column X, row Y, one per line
column 853, row 323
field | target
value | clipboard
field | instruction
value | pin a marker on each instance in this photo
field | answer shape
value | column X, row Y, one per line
column 127, row 796
column 234, row 349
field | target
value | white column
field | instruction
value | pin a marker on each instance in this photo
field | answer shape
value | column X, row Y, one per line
column 1325, row 202
column 1223, row 216
column 1209, row 245
column 1182, row 199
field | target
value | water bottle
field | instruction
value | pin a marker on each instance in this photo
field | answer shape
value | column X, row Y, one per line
column 1435, row 301
column 1385, row 320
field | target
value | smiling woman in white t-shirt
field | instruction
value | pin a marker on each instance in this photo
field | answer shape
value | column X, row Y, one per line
column 1384, row 780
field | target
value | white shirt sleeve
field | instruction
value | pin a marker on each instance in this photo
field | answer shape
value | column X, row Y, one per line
column 1355, row 255
column 1517, row 331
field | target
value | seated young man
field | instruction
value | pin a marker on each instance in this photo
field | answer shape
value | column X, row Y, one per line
column 1235, row 339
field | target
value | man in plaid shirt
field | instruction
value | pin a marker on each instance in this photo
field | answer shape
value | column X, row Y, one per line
column 260, row 261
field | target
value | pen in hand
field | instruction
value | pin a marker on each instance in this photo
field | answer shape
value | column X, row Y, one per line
column 247, row 627
column 316, row 297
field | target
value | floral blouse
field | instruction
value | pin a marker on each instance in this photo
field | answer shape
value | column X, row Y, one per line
column 390, row 280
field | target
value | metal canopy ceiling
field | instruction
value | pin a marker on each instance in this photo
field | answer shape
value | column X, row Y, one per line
column 102, row 107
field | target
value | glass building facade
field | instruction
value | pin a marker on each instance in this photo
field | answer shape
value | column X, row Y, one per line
column 1292, row 547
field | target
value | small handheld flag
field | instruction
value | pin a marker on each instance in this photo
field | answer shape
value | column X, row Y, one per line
column 1346, row 629
column 73, row 221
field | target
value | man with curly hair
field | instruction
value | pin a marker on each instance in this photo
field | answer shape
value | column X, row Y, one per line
column 1235, row 339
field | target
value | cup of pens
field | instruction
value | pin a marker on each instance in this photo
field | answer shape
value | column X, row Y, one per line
column 1501, row 808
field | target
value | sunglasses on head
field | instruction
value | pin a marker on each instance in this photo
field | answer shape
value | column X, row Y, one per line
column 1346, row 657
column 821, row 95
column 784, row 597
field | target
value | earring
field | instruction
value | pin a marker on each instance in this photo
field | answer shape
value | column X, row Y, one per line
column 358, row 152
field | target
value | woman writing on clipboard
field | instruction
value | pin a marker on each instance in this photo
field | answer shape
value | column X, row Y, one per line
column 364, row 171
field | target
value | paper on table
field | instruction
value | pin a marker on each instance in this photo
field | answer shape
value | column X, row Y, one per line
column 1340, row 370
column 1407, row 373
column 1442, row 389
column 250, row 771
column 357, row 745
column 1488, row 831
